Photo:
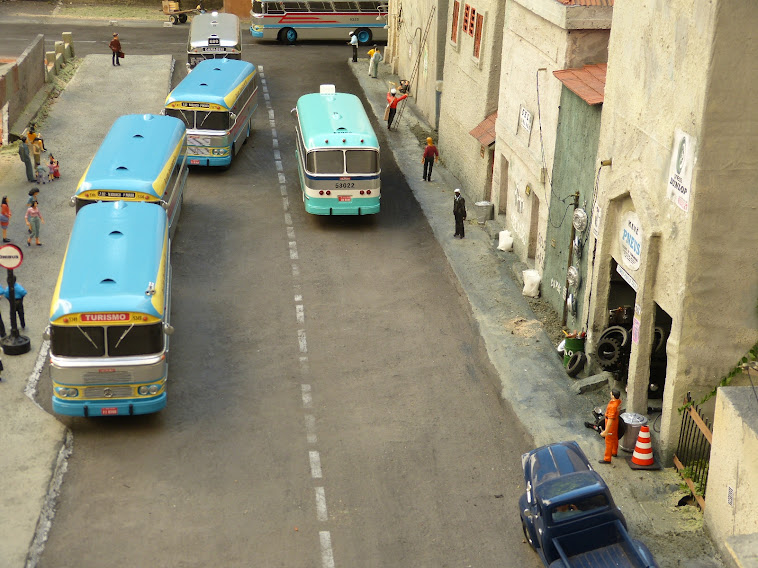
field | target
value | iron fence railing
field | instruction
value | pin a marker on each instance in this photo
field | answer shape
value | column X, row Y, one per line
column 693, row 452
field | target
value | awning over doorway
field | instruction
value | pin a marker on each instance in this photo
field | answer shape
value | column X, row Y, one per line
column 587, row 82
column 485, row 131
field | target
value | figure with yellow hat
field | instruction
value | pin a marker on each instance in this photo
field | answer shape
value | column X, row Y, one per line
column 431, row 155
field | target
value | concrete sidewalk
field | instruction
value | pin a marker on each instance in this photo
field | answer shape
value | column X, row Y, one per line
column 34, row 444
column 533, row 380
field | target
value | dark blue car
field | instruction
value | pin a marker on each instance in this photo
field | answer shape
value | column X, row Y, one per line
column 568, row 514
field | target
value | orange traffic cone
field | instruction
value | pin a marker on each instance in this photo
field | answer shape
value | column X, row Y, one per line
column 643, row 458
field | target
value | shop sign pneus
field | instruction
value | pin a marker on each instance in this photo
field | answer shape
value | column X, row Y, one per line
column 631, row 240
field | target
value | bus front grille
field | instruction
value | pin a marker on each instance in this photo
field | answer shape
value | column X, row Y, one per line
column 96, row 378
column 108, row 392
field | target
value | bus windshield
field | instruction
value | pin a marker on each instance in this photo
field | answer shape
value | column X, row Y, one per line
column 122, row 340
column 326, row 162
column 201, row 119
column 361, row 162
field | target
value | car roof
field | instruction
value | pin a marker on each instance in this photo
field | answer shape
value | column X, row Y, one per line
column 556, row 460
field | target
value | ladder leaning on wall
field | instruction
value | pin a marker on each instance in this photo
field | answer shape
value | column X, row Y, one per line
column 414, row 73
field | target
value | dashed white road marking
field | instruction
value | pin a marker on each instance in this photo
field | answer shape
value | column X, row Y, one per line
column 291, row 232
column 321, row 513
column 305, row 391
column 315, row 459
column 310, row 428
column 301, row 341
column 300, row 313
column 293, row 250
column 327, row 556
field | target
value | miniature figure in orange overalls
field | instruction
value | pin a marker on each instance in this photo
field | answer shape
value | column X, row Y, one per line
column 611, row 430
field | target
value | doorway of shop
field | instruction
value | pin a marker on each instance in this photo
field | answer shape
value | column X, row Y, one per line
column 658, row 358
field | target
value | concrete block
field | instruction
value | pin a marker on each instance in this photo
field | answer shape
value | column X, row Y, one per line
column 168, row 25
column 743, row 550
column 68, row 41
column 592, row 383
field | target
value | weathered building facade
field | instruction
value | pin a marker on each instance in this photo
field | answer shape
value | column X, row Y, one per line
column 416, row 50
column 540, row 36
column 474, row 39
column 675, row 215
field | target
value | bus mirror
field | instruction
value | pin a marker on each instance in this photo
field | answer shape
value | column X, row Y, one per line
column 164, row 204
column 72, row 201
column 232, row 116
column 46, row 334
column 293, row 112
column 168, row 329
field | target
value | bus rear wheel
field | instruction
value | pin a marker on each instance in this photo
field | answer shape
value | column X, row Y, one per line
column 288, row 35
column 364, row 35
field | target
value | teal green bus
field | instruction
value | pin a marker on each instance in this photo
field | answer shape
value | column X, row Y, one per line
column 337, row 154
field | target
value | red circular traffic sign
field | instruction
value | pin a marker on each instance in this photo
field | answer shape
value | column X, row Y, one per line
column 11, row 256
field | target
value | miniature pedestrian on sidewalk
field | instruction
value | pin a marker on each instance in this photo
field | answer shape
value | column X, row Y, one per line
column 375, row 58
column 33, row 219
column 23, row 153
column 392, row 100
column 611, row 430
column 5, row 218
column 431, row 155
column 18, row 292
column 115, row 46
column 36, row 148
column 459, row 212
column 354, row 44
column 54, row 171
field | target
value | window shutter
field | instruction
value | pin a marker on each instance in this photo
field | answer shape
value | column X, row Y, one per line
column 478, row 36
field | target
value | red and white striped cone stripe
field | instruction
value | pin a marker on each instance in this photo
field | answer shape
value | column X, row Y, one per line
column 643, row 450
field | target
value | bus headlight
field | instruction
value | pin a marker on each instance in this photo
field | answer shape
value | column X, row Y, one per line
column 65, row 392
column 142, row 390
column 153, row 389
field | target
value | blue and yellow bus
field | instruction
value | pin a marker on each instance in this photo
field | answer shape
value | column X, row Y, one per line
column 140, row 159
column 109, row 317
column 216, row 102
column 337, row 155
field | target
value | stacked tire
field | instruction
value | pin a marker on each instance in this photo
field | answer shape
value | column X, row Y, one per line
column 613, row 348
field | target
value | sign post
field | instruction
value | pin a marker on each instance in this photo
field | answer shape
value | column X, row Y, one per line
column 11, row 257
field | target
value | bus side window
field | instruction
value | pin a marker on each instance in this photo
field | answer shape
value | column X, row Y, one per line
column 345, row 7
column 369, row 6
column 274, row 8
column 295, row 6
column 320, row 6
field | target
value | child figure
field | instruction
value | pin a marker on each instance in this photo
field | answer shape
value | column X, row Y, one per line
column 42, row 173
column 53, row 171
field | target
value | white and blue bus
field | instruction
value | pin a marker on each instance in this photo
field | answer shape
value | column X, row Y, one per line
column 109, row 317
column 142, row 158
column 337, row 154
column 289, row 21
column 216, row 102
column 213, row 36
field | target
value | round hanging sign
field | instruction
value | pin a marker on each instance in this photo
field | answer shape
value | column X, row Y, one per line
column 11, row 256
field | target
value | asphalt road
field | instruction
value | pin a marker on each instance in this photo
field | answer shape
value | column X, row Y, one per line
column 341, row 390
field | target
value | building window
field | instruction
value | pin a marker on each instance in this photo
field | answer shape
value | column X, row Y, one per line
column 469, row 19
column 456, row 14
column 478, row 35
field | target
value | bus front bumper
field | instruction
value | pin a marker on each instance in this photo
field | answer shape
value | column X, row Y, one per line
column 109, row 408
column 335, row 207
